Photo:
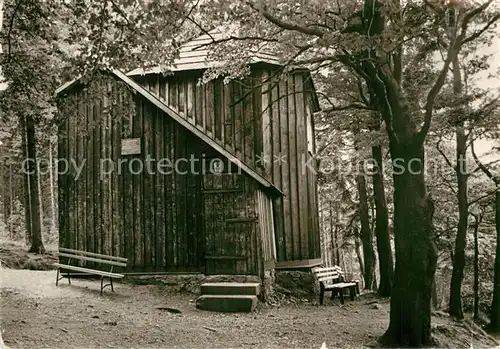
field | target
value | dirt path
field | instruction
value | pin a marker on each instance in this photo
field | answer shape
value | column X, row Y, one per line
column 34, row 313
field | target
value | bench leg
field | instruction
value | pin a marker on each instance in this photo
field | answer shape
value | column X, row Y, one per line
column 321, row 295
column 341, row 296
column 352, row 292
column 60, row 276
column 104, row 286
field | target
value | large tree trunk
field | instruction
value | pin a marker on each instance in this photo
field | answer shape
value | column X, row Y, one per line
column 494, row 325
column 455, row 307
column 416, row 253
column 36, row 232
column 366, row 234
column 382, row 226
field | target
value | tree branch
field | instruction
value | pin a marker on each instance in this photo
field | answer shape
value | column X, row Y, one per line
column 11, row 26
column 453, row 50
column 285, row 25
column 443, row 154
column 436, row 88
column 235, row 38
column 481, row 198
column 480, row 32
column 483, row 168
column 356, row 106
column 473, row 13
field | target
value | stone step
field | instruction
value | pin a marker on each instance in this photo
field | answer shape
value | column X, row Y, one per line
column 227, row 303
column 230, row 288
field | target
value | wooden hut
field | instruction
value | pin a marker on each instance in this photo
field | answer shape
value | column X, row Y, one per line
column 229, row 188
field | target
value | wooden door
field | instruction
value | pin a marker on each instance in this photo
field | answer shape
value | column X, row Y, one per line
column 229, row 225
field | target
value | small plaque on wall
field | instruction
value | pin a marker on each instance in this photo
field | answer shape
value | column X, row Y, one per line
column 131, row 146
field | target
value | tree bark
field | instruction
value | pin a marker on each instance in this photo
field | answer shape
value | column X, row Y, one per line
column 332, row 234
column 434, row 295
column 26, row 182
column 414, row 235
column 52, row 193
column 476, row 270
column 416, row 253
column 36, row 232
column 5, row 198
column 366, row 234
column 357, row 247
column 386, row 266
column 40, row 201
column 455, row 306
column 11, row 199
column 337, row 250
column 494, row 325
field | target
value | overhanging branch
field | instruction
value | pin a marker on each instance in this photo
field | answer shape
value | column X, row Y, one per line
column 285, row 25
column 483, row 168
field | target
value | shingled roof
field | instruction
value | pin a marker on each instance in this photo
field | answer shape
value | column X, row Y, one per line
column 194, row 55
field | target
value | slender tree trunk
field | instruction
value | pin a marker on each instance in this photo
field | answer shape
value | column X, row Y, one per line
column 386, row 266
column 40, row 201
column 332, row 234
column 344, row 265
column 36, row 232
column 366, row 234
column 26, row 182
column 52, row 194
column 455, row 307
column 434, row 296
column 357, row 247
column 337, row 249
column 5, row 201
column 11, row 199
column 494, row 325
column 476, row 270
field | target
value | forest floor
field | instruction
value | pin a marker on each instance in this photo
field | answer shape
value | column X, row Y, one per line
column 35, row 314
column 13, row 255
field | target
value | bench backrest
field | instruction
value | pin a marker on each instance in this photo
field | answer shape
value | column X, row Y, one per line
column 93, row 257
column 329, row 274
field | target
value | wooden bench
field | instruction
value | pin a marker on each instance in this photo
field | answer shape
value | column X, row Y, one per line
column 89, row 257
column 332, row 279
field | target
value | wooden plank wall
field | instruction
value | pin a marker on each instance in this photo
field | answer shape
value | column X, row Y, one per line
column 266, row 223
column 153, row 220
column 225, row 112
column 261, row 115
column 169, row 222
column 285, row 110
